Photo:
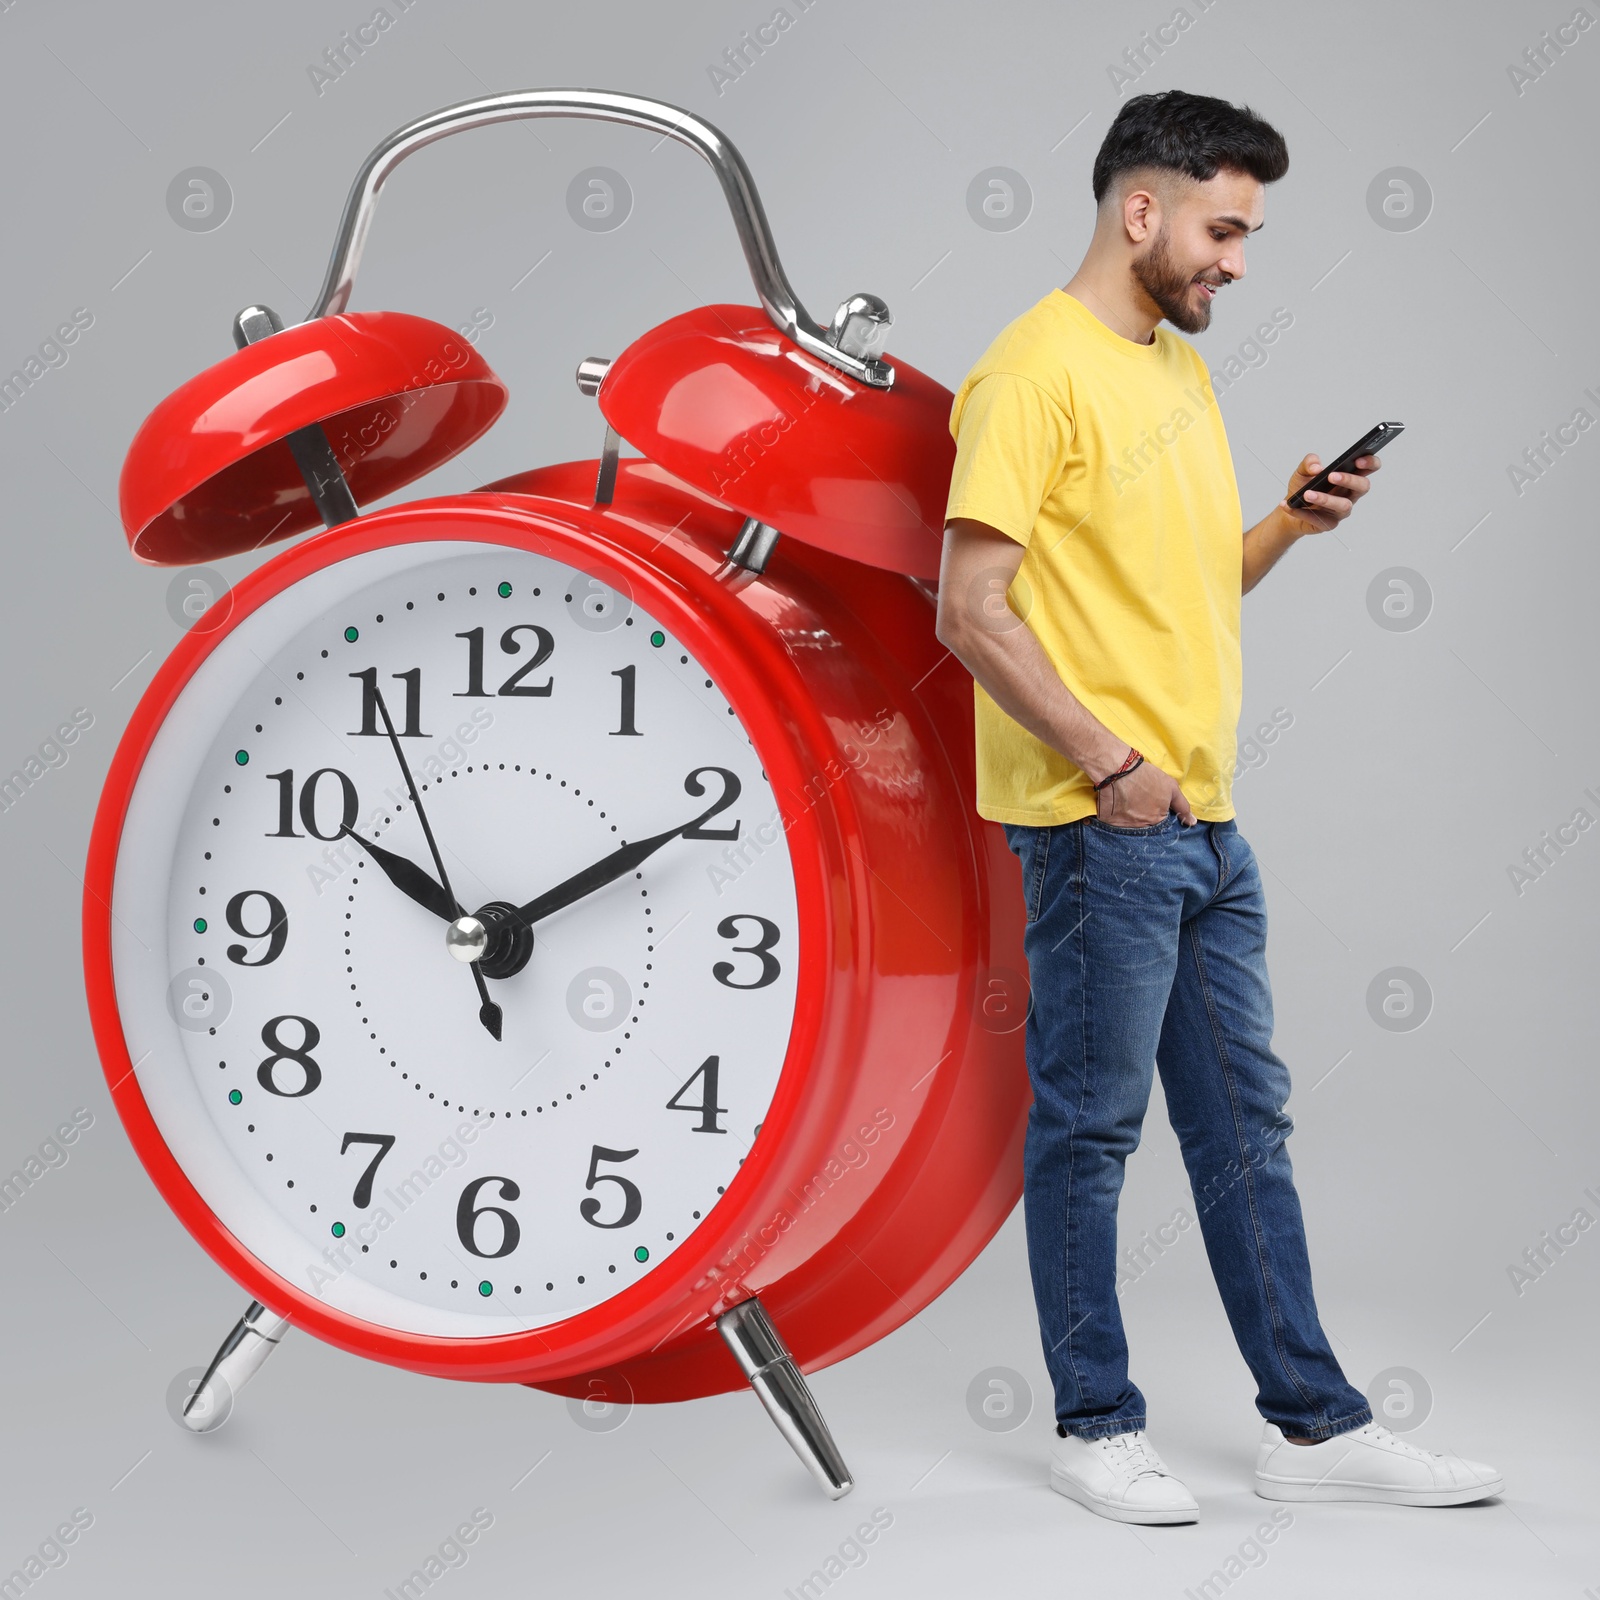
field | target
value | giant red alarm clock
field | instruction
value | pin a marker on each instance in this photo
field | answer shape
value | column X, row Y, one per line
column 544, row 935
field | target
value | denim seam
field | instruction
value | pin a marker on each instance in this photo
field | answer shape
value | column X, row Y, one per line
column 1041, row 864
column 1067, row 1232
column 1268, row 1287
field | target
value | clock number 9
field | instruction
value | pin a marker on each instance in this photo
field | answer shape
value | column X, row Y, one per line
column 729, row 929
column 276, row 931
column 632, row 1200
column 468, row 1211
column 300, row 1054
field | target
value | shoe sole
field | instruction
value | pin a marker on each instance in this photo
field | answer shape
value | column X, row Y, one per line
column 1288, row 1489
column 1105, row 1508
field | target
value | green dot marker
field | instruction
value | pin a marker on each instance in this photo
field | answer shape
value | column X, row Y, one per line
column 658, row 638
column 641, row 1254
column 351, row 635
column 234, row 1097
column 242, row 757
column 486, row 1288
column 338, row 1230
column 199, row 924
column 504, row 591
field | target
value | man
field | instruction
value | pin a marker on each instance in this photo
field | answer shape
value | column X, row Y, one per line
column 1093, row 488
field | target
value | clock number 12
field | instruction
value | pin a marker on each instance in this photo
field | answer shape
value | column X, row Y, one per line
column 509, row 645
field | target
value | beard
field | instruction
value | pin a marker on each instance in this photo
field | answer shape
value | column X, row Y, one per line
column 1171, row 288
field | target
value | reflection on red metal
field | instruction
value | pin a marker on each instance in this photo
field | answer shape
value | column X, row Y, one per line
column 723, row 400
column 209, row 473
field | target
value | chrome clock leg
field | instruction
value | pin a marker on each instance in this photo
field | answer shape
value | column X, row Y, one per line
column 255, row 1336
column 766, row 1362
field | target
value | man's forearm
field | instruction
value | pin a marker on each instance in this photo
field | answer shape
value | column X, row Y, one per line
column 1264, row 544
column 1015, row 672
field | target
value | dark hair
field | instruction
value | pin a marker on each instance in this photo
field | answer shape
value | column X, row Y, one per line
column 1190, row 133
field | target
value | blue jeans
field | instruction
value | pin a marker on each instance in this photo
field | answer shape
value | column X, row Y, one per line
column 1147, row 947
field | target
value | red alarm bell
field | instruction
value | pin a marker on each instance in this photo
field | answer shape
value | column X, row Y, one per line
column 544, row 935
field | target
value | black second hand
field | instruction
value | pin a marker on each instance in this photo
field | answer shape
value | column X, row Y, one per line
column 489, row 1014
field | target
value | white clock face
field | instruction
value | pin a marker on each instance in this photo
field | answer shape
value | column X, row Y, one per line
column 316, row 1058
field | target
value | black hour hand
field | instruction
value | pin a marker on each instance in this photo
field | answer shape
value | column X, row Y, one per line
column 410, row 879
column 599, row 873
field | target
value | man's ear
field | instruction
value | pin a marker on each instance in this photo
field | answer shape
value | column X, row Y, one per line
column 1141, row 215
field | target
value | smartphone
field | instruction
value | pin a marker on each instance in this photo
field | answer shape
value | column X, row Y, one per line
column 1369, row 444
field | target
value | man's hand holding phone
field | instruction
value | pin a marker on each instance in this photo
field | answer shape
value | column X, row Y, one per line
column 1319, row 500
column 1324, row 509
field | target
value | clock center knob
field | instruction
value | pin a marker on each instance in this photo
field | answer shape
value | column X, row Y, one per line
column 510, row 939
column 466, row 939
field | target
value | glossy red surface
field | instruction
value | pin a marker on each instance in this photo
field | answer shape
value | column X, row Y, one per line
column 911, row 1001
column 208, row 473
column 722, row 399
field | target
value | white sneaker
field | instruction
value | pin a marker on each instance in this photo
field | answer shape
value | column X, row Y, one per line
column 1121, row 1477
column 1368, row 1463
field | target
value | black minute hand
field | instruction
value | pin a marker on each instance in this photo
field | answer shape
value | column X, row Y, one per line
column 600, row 873
column 489, row 1013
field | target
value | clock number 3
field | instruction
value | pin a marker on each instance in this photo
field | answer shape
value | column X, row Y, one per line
column 729, row 929
column 632, row 1200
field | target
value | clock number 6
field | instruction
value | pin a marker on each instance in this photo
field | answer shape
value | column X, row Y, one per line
column 468, row 1211
column 362, row 1198
column 632, row 1200
column 300, row 1054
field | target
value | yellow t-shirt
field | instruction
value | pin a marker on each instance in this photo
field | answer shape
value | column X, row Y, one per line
column 1107, row 459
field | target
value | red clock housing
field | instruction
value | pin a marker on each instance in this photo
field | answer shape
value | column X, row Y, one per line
column 892, row 1149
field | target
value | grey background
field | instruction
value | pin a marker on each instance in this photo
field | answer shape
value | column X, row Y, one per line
column 1418, row 767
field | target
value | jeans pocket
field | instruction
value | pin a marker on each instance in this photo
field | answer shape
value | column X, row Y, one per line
column 1170, row 820
column 1031, row 846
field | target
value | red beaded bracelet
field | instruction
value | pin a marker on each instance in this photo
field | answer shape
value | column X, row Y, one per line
column 1133, row 760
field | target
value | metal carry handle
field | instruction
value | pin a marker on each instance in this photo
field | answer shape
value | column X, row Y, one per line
column 846, row 345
